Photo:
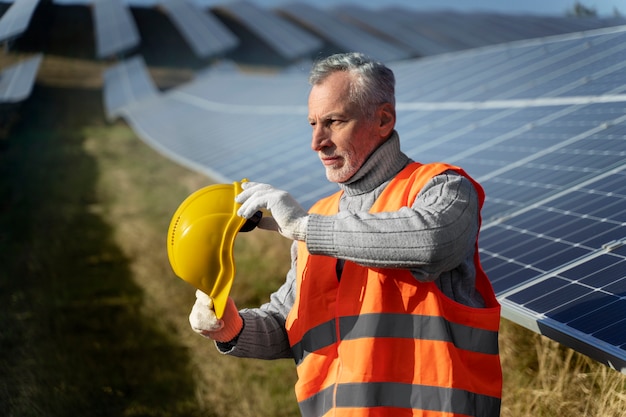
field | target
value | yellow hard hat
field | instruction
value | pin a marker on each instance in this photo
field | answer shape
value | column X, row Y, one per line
column 201, row 237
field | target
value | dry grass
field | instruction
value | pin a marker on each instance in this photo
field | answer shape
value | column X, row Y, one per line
column 143, row 190
column 542, row 378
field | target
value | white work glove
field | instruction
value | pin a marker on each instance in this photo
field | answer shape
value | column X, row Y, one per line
column 288, row 217
column 204, row 321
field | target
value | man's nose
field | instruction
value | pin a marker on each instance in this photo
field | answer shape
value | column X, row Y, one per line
column 319, row 139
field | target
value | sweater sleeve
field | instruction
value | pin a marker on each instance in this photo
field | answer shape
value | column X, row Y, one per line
column 435, row 235
column 263, row 335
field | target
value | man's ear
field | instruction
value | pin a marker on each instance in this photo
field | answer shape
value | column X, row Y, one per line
column 387, row 118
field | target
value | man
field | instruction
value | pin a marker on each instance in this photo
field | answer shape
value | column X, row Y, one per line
column 386, row 309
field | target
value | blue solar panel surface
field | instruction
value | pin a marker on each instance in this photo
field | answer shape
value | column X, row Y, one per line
column 16, row 81
column 343, row 34
column 127, row 84
column 204, row 33
column 16, row 19
column 289, row 40
column 540, row 124
column 114, row 28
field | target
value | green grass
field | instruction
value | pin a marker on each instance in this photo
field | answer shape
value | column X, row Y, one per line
column 74, row 341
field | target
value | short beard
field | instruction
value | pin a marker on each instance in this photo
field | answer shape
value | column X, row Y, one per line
column 344, row 173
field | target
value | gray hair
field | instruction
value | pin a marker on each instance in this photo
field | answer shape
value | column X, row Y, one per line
column 372, row 83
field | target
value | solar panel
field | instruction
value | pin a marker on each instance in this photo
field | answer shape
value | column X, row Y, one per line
column 290, row 41
column 343, row 34
column 114, row 28
column 127, row 84
column 205, row 34
column 390, row 27
column 438, row 32
column 16, row 19
column 16, row 81
column 540, row 124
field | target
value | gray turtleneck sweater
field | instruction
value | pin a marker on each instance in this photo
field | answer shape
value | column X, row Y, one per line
column 434, row 239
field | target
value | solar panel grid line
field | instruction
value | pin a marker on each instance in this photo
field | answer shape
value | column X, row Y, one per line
column 610, row 97
column 127, row 84
column 550, row 149
column 139, row 127
column 231, row 151
column 159, row 121
column 581, row 182
column 215, row 106
column 261, row 163
column 535, row 241
column 288, row 39
column 539, row 227
column 453, row 134
column 433, row 88
column 387, row 26
column 563, row 268
column 219, row 33
column 592, row 322
column 487, row 236
column 598, row 349
column 9, row 80
column 569, row 68
column 545, row 284
column 205, row 35
column 259, row 153
column 472, row 34
column 534, row 74
column 424, row 23
column 508, row 27
column 420, row 41
column 566, row 296
column 477, row 80
column 16, row 81
column 552, row 224
column 522, row 65
column 500, row 28
column 306, row 41
column 16, row 18
column 536, row 248
column 253, row 90
column 217, row 126
column 211, row 131
column 461, row 155
column 556, row 296
column 546, row 41
column 114, row 28
column 348, row 37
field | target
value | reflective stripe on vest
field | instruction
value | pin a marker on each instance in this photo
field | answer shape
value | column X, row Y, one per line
column 380, row 343
column 397, row 326
column 398, row 397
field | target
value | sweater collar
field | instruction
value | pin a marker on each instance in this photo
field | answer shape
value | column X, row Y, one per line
column 382, row 165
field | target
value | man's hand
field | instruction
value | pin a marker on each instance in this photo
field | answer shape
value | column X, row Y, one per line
column 204, row 321
column 288, row 217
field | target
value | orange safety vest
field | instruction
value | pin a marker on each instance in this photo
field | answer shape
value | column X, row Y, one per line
column 378, row 342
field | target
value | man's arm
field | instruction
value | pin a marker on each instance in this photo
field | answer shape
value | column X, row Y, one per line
column 263, row 335
column 434, row 235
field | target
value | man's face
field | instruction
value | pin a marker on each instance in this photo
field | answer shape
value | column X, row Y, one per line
column 342, row 137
